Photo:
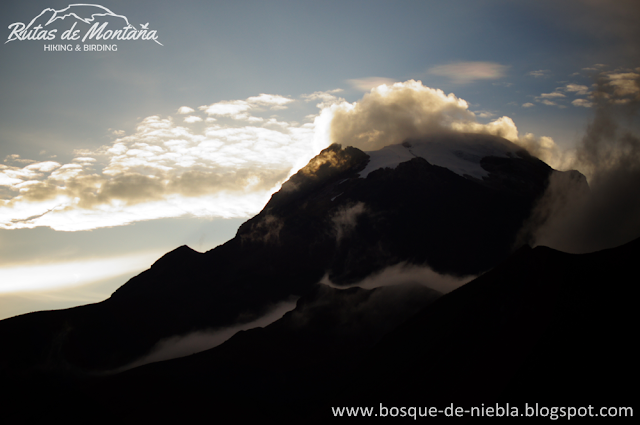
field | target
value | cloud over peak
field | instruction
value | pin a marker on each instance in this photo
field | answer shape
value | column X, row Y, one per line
column 390, row 114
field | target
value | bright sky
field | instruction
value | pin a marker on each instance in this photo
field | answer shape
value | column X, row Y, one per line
column 110, row 159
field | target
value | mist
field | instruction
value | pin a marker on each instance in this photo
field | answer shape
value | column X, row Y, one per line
column 406, row 274
column 195, row 342
column 575, row 218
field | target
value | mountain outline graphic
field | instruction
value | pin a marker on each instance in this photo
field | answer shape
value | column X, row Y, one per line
column 79, row 11
column 85, row 13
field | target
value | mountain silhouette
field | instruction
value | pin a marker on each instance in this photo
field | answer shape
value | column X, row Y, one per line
column 458, row 207
column 416, row 213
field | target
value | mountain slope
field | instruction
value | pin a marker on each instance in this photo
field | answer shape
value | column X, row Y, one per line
column 542, row 327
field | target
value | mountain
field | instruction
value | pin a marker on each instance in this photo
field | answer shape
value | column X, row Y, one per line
column 327, row 219
column 335, row 217
column 535, row 325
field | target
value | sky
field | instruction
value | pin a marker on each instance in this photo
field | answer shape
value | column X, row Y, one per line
column 109, row 159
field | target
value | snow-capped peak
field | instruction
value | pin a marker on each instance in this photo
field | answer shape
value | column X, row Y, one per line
column 459, row 152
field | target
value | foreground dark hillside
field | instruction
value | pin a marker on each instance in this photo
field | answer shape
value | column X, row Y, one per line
column 542, row 327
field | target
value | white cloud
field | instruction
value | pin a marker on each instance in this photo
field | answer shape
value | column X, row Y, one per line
column 183, row 110
column 403, row 273
column 346, row 218
column 192, row 118
column 326, row 98
column 272, row 100
column 226, row 108
column 465, row 72
column 390, row 114
column 7, row 180
column 43, row 167
column 66, row 172
column 527, row 105
column 84, row 160
column 239, row 109
column 195, row 342
column 163, row 169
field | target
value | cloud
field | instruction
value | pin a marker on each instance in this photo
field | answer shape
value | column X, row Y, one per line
column 551, row 95
column 625, row 85
column 391, row 114
column 163, row 169
column 366, row 84
column 183, row 110
column 558, row 95
column 402, row 274
column 540, row 73
column 227, row 108
column 195, row 342
column 265, row 230
column 527, row 105
column 274, row 101
column 192, row 118
column 485, row 114
column 16, row 158
column 570, row 216
column 577, row 89
column 345, row 220
column 229, row 167
column 239, row 109
column 48, row 166
column 466, row 72
column 582, row 102
column 326, row 98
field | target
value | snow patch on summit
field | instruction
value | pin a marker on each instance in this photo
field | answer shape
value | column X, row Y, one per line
column 460, row 153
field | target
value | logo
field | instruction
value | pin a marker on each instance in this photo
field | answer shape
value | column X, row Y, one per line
column 82, row 23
